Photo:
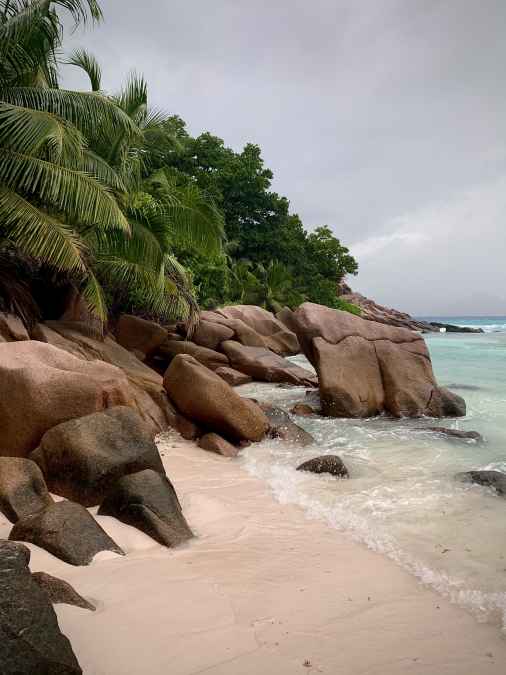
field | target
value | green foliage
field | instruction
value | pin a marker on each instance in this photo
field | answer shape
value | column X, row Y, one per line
column 348, row 307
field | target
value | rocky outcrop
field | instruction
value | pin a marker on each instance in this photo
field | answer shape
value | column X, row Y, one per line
column 372, row 311
column 82, row 458
column 215, row 443
column 203, row 397
column 367, row 368
column 31, row 642
column 262, row 364
column 147, row 500
column 331, row 464
column 41, row 386
column 23, row 490
column 281, row 426
column 67, row 530
column 146, row 386
column 233, row 377
column 207, row 357
column 134, row 333
column 211, row 335
column 493, row 479
column 60, row 592
column 273, row 333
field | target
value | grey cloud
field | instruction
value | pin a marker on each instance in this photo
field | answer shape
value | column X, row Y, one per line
column 378, row 117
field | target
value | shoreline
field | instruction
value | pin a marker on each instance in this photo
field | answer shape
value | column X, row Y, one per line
column 260, row 589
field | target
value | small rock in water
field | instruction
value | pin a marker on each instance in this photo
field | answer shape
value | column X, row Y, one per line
column 303, row 410
column 465, row 387
column 493, row 479
column 331, row 464
column 456, row 433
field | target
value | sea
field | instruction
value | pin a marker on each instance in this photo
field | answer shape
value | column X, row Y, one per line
column 402, row 499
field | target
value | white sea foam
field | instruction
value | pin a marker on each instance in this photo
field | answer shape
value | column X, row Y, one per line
column 402, row 499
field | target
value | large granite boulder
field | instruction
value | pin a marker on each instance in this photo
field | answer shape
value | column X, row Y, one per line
column 210, row 334
column 146, row 386
column 205, row 398
column 23, row 490
column 367, row 368
column 282, row 426
column 493, row 479
column 262, row 364
column 41, row 386
column 67, row 530
column 146, row 500
column 31, row 642
column 273, row 334
column 215, row 443
column 60, row 592
column 134, row 333
column 82, row 458
column 207, row 357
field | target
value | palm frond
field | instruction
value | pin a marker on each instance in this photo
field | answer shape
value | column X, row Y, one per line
column 88, row 111
column 73, row 192
column 87, row 62
column 39, row 235
column 31, row 131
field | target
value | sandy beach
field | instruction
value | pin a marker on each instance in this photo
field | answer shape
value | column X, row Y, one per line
column 261, row 589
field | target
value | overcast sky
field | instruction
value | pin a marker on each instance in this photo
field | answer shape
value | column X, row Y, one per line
column 384, row 119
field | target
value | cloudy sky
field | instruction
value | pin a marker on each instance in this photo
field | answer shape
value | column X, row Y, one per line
column 384, row 119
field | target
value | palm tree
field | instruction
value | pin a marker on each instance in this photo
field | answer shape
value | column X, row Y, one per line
column 162, row 213
column 52, row 188
column 75, row 189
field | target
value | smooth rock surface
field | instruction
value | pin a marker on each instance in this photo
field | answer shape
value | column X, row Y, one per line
column 366, row 368
column 23, row 490
column 81, row 459
column 211, row 335
column 207, row 357
column 284, row 428
column 31, row 642
column 134, row 333
column 206, row 399
column 67, row 530
column 262, row 364
column 233, row 377
column 147, row 500
column 41, row 386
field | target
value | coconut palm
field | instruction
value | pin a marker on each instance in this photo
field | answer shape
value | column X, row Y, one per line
column 53, row 189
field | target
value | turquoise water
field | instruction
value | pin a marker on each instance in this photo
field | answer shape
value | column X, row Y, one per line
column 402, row 499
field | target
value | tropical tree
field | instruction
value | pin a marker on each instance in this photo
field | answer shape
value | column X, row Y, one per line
column 52, row 188
column 76, row 194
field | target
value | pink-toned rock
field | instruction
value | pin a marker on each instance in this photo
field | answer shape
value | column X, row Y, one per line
column 262, row 364
column 272, row 333
column 149, row 397
column 211, row 335
column 132, row 332
column 233, row 377
column 41, row 386
column 203, row 397
column 215, row 443
column 205, row 356
column 366, row 368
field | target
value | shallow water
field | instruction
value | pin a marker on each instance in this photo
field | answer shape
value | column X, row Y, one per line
column 402, row 498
